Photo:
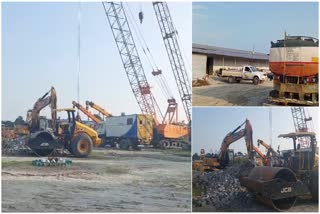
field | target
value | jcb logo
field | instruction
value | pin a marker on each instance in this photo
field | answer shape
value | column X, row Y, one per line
column 286, row 189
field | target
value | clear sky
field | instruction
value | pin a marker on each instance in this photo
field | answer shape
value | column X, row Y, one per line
column 242, row 25
column 211, row 125
column 40, row 50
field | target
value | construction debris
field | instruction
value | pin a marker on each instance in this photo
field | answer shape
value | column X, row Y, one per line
column 221, row 189
column 200, row 82
column 50, row 161
column 15, row 147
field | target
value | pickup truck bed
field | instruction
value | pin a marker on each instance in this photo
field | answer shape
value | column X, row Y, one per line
column 233, row 73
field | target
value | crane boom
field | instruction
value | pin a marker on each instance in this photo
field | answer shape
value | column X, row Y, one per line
column 98, row 108
column 84, row 110
column 130, row 58
column 300, row 124
column 170, row 38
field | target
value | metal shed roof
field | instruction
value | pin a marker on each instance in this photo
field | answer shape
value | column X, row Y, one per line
column 213, row 50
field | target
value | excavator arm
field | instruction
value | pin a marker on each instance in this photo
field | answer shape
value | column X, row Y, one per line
column 49, row 98
column 83, row 110
column 232, row 137
column 265, row 159
column 98, row 108
column 268, row 147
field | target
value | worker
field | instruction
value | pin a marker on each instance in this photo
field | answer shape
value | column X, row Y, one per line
column 141, row 17
column 78, row 118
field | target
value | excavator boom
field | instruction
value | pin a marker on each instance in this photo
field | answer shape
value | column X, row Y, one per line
column 49, row 98
column 268, row 147
column 265, row 160
column 234, row 136
column 98, row 108
column 83, row 110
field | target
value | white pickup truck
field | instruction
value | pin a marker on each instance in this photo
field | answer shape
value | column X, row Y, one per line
column 247, row 72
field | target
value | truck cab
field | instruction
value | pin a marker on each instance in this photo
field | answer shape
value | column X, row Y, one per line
column 247, row 72
column 251, row 73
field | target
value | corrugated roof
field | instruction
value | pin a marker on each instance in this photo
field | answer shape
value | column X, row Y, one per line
column 213, row 50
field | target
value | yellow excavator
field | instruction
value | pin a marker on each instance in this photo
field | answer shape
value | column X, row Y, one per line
column 47, row 136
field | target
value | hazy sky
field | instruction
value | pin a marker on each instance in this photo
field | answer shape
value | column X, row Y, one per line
column 40, row 50
column 211, row 125
column 241, row 25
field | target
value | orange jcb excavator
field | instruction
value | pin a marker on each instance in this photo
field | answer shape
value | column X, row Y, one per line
column 33, row 118
column 233, row 136
column 220, row 162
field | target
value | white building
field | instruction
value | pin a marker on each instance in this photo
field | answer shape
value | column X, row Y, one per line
column 209, row 59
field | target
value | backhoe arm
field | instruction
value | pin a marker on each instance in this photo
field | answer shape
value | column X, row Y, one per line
column 83, row 110
column 98, row 108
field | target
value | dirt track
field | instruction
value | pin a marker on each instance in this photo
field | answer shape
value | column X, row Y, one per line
column 108, row 181
column 222, row 93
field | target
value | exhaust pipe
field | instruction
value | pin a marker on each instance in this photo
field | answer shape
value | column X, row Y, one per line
column 276, row 187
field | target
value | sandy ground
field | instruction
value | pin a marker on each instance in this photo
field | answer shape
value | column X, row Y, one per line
column 112, row 180
column 222, row 93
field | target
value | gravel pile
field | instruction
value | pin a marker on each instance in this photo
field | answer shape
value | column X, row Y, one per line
column 221, row 189
column 15, row 147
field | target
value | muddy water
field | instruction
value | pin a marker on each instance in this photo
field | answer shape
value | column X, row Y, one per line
column 118, row 182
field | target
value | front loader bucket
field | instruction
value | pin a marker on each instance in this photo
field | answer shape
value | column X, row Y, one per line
column 276, row 187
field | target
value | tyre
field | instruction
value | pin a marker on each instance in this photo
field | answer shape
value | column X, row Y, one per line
column 163, row 144
column 238, row 80
column 125, row 144
column 231, row 79
column 255, row 80
column 81, row 145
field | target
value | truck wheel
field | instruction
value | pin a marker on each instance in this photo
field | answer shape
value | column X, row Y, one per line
column 255, row 80
column 163, row 144
column 238, row 80
column 125, row 144
column 81, row 145
column 231, row 79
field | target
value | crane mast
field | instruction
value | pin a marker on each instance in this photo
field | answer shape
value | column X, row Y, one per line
column 130, row 58
column 170, row 38
column 300, row 124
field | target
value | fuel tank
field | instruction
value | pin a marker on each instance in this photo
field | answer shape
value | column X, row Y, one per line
column 295, row 56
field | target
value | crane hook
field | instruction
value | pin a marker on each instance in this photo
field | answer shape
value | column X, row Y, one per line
column 141, row 17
